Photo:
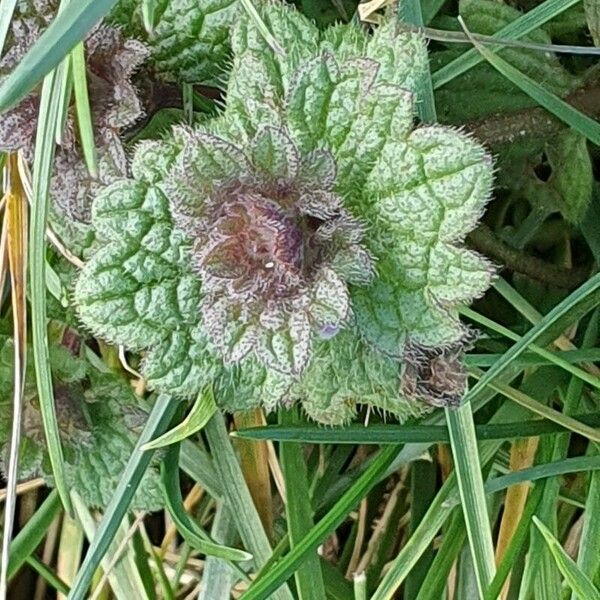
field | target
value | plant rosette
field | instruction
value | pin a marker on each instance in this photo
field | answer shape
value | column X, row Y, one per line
column 306, row 244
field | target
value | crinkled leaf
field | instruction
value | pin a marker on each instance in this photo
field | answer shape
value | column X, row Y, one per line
column 343, row 373
column 189, row 40
column 99, row 419
column 329, row 126
column 427, row 192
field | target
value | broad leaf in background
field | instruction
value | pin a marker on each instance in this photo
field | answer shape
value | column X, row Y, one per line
column 568, row 188
column 189, row 39
column 99, row 419
column 494, row 93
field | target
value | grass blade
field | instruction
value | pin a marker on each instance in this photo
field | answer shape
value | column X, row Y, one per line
column 7, row 9
column 68, row 28
column 283, row 569
column 386, row 434
column 217, row 577
column 123, row 574
column 470, row 484
column 299, row 513
column 30, row 536
column 48, row 574
column 518, row 28
column 590, row 288
column 578, row 581
column 541, row 409
column 551, row 357
column 158, row 420
column 563, row 110
column 588, row 559
column 82, row 106
column 200, row 414
column 16, row 224
column 50, row 106
column 187, row 527
column 237, row 495
column 543, row 471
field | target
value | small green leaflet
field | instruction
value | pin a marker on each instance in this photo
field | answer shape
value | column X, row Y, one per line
column 204, row 408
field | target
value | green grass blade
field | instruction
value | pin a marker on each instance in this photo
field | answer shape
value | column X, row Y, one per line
column 48, row 574
column 516, row 544
column 299, row 514
column 588, row 559
column 454, row 536
column 50, row 106
column 158, row 420
column 551, row 357
column 577, row 580
column 543, row 410
column 123, row 575
column 217, row 577
column 436, row 515
column 200, row 414
column 283, row 569
column 68, row 28
column 518, row 28
column 563, row 110
column 531, row 360
column 470, row 484
column 190, row 531
column 385, row 434
column 83, row 110
column 555, row 468
column 588, row 289
column 199, row 466
column 32, row 533
column 423, row 485
column 235, row 492
column 7, row 8
column 417, row 544
column 249, row 7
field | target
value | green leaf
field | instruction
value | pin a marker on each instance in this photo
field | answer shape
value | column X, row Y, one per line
column 569, row 188
column 201, row 412
column 423, row 214
column 98, row 417
column 341, row 93
column 186, row 526
column 69, row 27
column 577, row 580
column 189, row 39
